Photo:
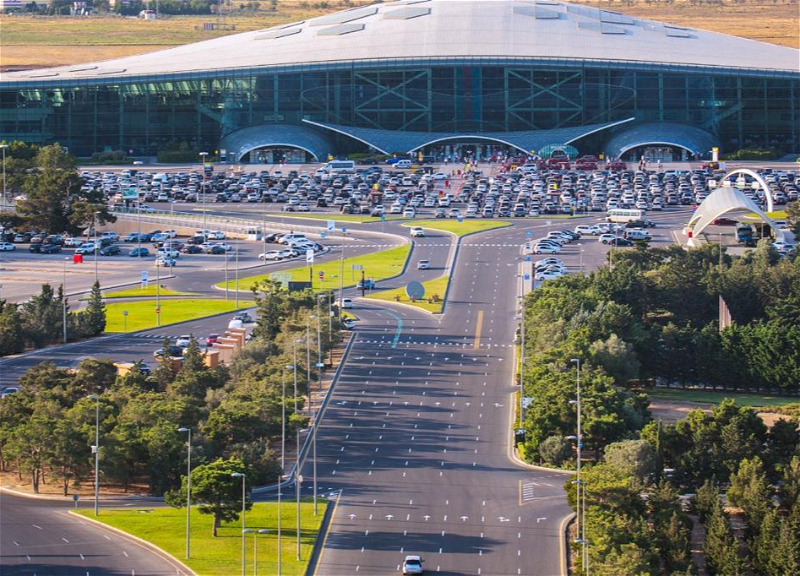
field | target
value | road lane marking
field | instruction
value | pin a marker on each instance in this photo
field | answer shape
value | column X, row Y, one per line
column 478, row 326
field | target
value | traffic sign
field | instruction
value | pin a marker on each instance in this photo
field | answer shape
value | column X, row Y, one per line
column 415, row 290
column 145, row 276
column 344, row 230
column 331, row 225
column 527, row 276
column 383, row 217
column 322, row 235
column 310, row 256
column 460, row 218
column 358, row 266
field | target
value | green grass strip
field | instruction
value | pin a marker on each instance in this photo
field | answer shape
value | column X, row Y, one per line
column 466, row 226
column 142, row 314
column 138, row 292
column 222, row 556
column 377, row 265
column 437, row 286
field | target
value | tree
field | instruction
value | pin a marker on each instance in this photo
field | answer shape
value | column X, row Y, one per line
column 720, row 547
column 617, row 358
column 215, row 490
column 269, row 298
column 555, row 450
column 12, row 339
column 751, row 491
column 93, row 318
column 633, row 457
column 50, row 188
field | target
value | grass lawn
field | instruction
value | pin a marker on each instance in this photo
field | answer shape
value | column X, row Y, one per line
column 222, row 556
column 378, row 266
column 709, row 397
column 437, row 286
column 137, row 292
column 338, row 217
column 467, row 226
column 142, row 314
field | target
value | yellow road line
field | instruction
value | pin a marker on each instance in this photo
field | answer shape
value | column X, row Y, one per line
column 478, row 330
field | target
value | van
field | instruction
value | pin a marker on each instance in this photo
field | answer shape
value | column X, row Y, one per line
column 341, row 167
column 403, row 164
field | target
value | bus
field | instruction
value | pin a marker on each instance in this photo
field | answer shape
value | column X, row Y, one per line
column 624, row 215
column 341, row 167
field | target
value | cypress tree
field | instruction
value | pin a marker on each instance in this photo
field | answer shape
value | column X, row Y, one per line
column 94, row 317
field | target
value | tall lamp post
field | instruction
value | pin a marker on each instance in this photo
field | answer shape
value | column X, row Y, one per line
column 580, row 531
column 5, row 192
column 244, row 501
column 297, row 477
column 203, row 188
column 188, row 487
column 64, row 300
column 96, row 451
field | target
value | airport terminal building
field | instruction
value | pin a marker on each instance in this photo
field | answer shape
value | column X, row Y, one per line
column 426, row 76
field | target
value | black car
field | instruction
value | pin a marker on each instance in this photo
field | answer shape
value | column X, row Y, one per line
column 620, row 242
column 192, row 249
column 44, row 248
column 110, row 250
column 215, row 249
column 139, row 252
column 272, row 238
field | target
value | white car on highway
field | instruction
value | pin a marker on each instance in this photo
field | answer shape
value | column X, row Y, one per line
column 7, row 246
column 417, row 232
column 184, row 340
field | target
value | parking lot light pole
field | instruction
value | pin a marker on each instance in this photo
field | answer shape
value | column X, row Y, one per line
column 188, row 487
column 580, row 530
column 237, row 274
column 297, row 476
column 341, row 277
column 244, row 501
column 5, row 192
column 96, row 450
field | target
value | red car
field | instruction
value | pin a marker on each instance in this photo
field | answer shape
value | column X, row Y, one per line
column 212, row 339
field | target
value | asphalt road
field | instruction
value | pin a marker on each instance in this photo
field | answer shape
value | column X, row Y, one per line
column 415, row 438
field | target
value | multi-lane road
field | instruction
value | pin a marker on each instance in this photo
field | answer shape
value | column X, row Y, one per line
column 415, row 439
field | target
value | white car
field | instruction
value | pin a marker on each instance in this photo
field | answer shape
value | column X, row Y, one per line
column 7, row 246
column 546, row 249
column 345, row 303
column 548, row 275
column 417, row 232
column 550, row 260
column 409, row 213
column 217, row 235
column 270, row 255
column 423, row 265
column 783, row 246
column 349, row 323
column 170, row 233
column 606, row 238
column 413, row 565
column 588, row 229
column 168, row 253
column 184, row 340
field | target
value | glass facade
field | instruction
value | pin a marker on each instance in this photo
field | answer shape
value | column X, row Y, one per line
column 744, row 109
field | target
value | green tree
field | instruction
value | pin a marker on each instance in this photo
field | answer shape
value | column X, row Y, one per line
column 269, row 295
column 617, row 358
column 93, row 318
column 215, row 490
column 555, row 450
column 789, row 492
column 12, row 337
column 751, row 491
column 633, row 457
column 720, row 547
column 51, row 187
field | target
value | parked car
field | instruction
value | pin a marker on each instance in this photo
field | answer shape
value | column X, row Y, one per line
column 110, row 251
column 139, row 253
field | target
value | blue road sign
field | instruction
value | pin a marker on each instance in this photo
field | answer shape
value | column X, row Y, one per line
column 527, row 276
column 322, row 235
column 331, row 225
column 383, row 218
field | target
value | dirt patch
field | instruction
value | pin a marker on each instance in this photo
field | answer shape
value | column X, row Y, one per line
column 670, row 411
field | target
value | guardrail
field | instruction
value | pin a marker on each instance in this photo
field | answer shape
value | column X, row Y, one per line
column 228, row 224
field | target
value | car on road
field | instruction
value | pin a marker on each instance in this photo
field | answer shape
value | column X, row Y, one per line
column 417, row 232
column 413, row 565
column 618, row 242
column 349, row 323
column 139, row 253
column 423, row 265
column 192, row 249
column 409, row 213
column 166, row 262
column 215, row 249
column 183, row 341
column 212, row 339
column 345, row 303
column 173, row 351
column 588, row 229
column 110, row 251
column 168, row 252
column 244, row 317
column 44, row 248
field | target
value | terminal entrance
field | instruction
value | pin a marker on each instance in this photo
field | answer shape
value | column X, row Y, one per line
column 466, row 150
column 657, row 153
column 277, row 155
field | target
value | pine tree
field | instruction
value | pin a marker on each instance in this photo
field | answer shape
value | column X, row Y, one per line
column 93, row 319
column 751, row 490
column 763, row 545
column 787, row 553
column 721, row 548
column 674, row 546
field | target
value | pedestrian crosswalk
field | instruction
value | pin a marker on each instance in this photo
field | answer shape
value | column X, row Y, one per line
column 434, row 343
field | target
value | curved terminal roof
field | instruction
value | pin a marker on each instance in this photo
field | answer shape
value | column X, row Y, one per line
column 691, row 138
column 389, row 141
column 441, row 29
column 726, row 201
column 237, row 144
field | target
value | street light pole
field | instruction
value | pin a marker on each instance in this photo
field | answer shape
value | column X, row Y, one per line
column 580, row 528
column 244, row 500
column 188, row 488
column 96, row 449
column 297, row 477
column 341, row 278
column 158, row 294
column 203, row 188
column 64, row 300
column 5, row 192
column 237, row 273
column 280, row 492
column 96, row 247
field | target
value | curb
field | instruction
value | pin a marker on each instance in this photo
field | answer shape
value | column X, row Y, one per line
column 58, row 498
column 563, row 543
column 182, row 568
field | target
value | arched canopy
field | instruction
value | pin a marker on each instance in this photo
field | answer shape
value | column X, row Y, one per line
column 726, row 201
column 239, row 143
column 695, row 140
column 757, row 177
column 389, row 141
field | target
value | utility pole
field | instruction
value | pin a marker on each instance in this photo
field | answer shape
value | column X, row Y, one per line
column 341, row 276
